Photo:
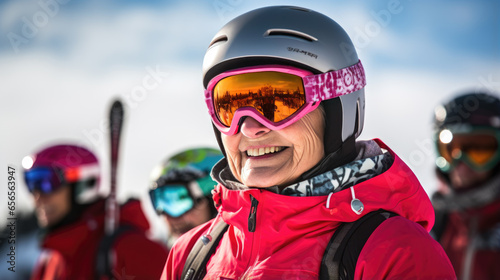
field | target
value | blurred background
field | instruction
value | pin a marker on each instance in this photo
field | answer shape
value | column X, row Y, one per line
column 63, row 62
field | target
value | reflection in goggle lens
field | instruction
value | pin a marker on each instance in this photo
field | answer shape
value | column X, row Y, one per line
column 174, row 200
column 275, row 95
column 42, row 179
column 478, row 149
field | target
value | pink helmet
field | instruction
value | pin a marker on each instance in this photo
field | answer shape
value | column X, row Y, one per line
column 56, row 166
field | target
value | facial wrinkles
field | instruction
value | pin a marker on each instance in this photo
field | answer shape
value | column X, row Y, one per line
column 310, row 143
column 304, row 138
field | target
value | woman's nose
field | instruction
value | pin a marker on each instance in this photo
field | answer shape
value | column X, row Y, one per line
column 251, row 128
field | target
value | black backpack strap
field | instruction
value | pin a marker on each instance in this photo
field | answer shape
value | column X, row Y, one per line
column 342, row 252
column 440, row 224
column 104, row 263
column 196, row 264
column 441, row 214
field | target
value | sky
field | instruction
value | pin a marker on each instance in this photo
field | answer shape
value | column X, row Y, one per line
column 62, row 63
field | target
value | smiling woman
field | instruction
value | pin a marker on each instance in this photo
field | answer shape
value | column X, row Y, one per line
column 298, row 148
column 293, row 172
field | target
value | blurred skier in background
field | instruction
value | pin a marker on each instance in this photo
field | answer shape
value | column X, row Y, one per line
column 64, row 181
column 181, row 190
column 467, row 202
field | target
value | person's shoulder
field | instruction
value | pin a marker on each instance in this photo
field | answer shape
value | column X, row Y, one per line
column 182, row 247
column 136, row 240
column 143, row 257
column 400, row 247
column 189, row 238
column 402, row 226
column 180, row 250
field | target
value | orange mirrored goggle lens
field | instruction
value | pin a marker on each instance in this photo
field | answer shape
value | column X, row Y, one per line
column 274, row 95
column 478, row 148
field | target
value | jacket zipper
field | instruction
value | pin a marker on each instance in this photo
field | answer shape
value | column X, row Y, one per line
column 252, row 218
column 252, row 226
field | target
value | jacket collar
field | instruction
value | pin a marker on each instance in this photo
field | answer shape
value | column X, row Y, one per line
column 394, row 189
column 370, row 161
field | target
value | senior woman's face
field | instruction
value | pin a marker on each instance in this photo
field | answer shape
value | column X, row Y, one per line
column 260, row 157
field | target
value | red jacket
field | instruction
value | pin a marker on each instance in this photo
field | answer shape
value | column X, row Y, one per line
column 70, row 251
column 471, row 240
column 291, row 233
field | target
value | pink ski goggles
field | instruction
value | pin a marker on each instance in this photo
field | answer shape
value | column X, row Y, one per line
column 275, row 96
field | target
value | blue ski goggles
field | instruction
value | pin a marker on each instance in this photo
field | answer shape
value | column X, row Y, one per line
column 172, row 199
column 44, row 179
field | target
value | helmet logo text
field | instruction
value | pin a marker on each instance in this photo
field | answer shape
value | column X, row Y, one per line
column 290, row 49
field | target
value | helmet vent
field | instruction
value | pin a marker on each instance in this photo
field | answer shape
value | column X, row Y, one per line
column 290, row 33
column 217, row 40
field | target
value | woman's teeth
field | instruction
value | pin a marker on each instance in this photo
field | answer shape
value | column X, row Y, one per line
column 263, row 151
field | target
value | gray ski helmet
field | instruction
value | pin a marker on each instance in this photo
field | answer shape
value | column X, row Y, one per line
column 298, row 37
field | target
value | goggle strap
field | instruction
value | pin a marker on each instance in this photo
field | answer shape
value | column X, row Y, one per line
column 334, row 83
column 208, row 101
column 83, row 171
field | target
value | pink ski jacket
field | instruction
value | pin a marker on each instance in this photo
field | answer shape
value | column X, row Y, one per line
column 275, row 236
